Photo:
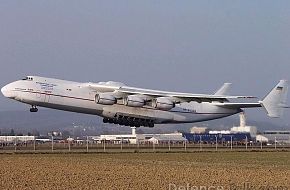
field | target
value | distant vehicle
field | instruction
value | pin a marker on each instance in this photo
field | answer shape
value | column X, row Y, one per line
column 130, row 106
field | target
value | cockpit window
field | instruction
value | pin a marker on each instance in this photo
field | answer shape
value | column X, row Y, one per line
column 28, row 78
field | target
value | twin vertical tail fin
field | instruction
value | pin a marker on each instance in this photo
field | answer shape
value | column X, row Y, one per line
column 275, row 101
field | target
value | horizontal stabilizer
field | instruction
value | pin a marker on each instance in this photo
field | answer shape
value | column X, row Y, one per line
column 274, row 103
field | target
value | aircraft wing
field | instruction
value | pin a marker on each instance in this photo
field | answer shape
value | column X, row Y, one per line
column 178, row 97
column 121, row 91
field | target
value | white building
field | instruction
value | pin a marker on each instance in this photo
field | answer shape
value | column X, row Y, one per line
column 243, row 128
column 261, row 138
column 167, row 139
column 198, row 130
column 219, row 132
column 278, row 136
column 137, row 138
column 127, row 138
column 9, row 139
column 247, row 129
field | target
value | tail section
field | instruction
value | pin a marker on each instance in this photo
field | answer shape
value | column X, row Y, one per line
column 224, row 90
column 275, row 101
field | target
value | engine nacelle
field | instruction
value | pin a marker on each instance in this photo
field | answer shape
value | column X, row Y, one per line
column 105, row 99
column 163, row 103
column 134, row 101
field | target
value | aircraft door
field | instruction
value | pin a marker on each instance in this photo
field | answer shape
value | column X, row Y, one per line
column 38, row 96
column 46, row 98
column 42, row 97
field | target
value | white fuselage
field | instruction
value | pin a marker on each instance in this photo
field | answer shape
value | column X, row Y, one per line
column 79, row 97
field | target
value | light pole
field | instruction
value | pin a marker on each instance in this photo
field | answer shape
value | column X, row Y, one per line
column 121, row 143
column 34, row 145
column 51, row 142
column 69, row 141
column 231, row 142
column 87, row 144
column 15, row 143
column 104, row 145
column 216, row 143
column 246, row 142
column 200, row 147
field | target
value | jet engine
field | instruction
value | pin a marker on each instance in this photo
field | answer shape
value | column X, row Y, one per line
column 163, row 103
column 105, row 99
column 134, row 101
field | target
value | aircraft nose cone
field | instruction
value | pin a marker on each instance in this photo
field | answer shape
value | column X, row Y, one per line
column 4, row 91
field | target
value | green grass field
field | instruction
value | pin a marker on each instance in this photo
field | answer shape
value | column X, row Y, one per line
column 211, row 170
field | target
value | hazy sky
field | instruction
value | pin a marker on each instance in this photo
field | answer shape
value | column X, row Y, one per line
column 190, row 46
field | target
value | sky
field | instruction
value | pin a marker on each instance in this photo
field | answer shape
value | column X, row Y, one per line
column 187, row 46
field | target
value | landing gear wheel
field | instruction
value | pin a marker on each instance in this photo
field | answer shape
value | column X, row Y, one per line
column 105, row 120
column 151, row 125
column 33, row 109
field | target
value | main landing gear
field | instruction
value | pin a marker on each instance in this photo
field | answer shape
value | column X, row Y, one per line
column 33, row 109
column 130, row 121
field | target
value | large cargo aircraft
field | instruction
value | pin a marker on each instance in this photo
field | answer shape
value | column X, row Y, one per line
column 130, row 106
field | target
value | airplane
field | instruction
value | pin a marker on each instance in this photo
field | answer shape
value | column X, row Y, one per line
column 124, row 105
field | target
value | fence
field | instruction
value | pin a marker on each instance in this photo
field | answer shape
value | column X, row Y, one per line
column 90, row 146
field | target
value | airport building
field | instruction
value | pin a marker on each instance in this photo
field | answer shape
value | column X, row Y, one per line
column 243, row 128
column 218, row 137
column 167, row 138
column 117, row 139
column 242, row 133
column 261, row 138
column 198, row 130
column 140, row 138
column 12, row 139
column 278, row 136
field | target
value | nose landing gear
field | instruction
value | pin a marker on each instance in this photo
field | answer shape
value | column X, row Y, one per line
column 33, row 109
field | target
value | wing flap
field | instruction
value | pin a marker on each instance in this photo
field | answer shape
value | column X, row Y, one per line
column 238, row 105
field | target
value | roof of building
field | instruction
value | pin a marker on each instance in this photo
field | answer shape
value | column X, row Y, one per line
column 168, row 138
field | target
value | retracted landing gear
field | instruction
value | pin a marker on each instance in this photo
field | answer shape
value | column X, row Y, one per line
column 33, row 109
